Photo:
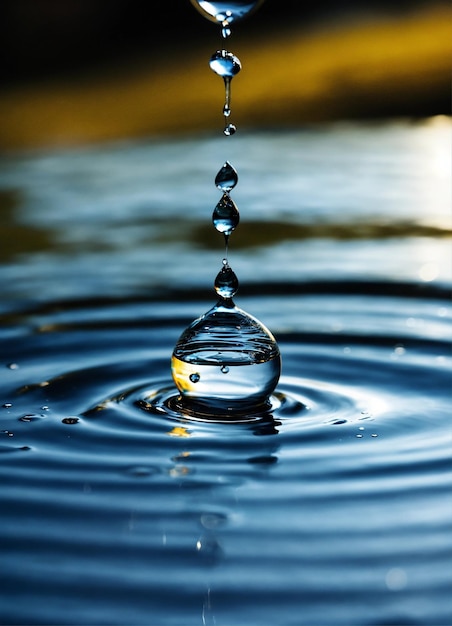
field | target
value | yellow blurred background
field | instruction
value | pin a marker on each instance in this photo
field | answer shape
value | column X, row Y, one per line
column 80, row 72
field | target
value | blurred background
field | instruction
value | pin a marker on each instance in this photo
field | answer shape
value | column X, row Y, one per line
column 83, row 71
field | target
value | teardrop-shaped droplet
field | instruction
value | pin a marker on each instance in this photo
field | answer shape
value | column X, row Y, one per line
column 229, row 130
column 226, row 283
column 225, row 12
column 227, row 178
column 225, row 64
column 226, row 215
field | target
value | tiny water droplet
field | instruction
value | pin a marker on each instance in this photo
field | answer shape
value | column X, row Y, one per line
column 12, row 366
column 359, row 436
column 226, row 32
column 361, row 428
column 195, row 378
column 225, row 64
column 226, row 284
column 225, row 369
column 374, row 435
column 229, row 129
column 227, row 178
column 226, row 110
column 7, row 405
column 225, row 216
column 70, row 420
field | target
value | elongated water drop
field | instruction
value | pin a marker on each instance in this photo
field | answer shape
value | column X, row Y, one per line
column 226, row 215
column 227, row 178
column 226, row 282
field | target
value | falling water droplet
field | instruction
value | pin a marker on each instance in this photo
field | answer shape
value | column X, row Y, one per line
column 227, row 178
column 226, row 282
column 225, row 64
column 229, row 130
column 226, row 215
column 224, row 369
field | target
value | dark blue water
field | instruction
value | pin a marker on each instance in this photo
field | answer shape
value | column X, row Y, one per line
column 332, row 508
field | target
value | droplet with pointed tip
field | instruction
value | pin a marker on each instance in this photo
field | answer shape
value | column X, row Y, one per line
column 227, row 178
column 225, row 64
column 226, row 215
column 226, row 282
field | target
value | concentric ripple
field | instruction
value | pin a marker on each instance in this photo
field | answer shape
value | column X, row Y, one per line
column 119, row 505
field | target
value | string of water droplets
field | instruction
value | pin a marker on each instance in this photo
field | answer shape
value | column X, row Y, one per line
column 226, row 362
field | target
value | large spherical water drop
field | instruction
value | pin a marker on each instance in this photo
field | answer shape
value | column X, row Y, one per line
column 226, row 362
column 225, row 12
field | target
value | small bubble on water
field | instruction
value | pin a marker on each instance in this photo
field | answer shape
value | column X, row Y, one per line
column 70, row 420
column 230, row 129
column 225, row 369
column 12, row 366
column 7, row 405
column 195, row 378
column 374, row 435
column 361, row 428
column 359, row 436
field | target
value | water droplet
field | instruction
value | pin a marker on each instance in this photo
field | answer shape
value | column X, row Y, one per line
column 195, row 378
column 225, row 64
column 374, row 435
column 226, row 110
column 225, row 369
column 7, row 405
column 12, row 366
column 229, row 130
column 226, row 282
column 225, row 12
column 212, row 342
column 227, row 178
column 70, row 420
column 226, row 215
column 359, row 436
column 226, row 32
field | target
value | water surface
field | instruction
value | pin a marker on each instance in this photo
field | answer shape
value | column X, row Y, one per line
column 332, row 508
